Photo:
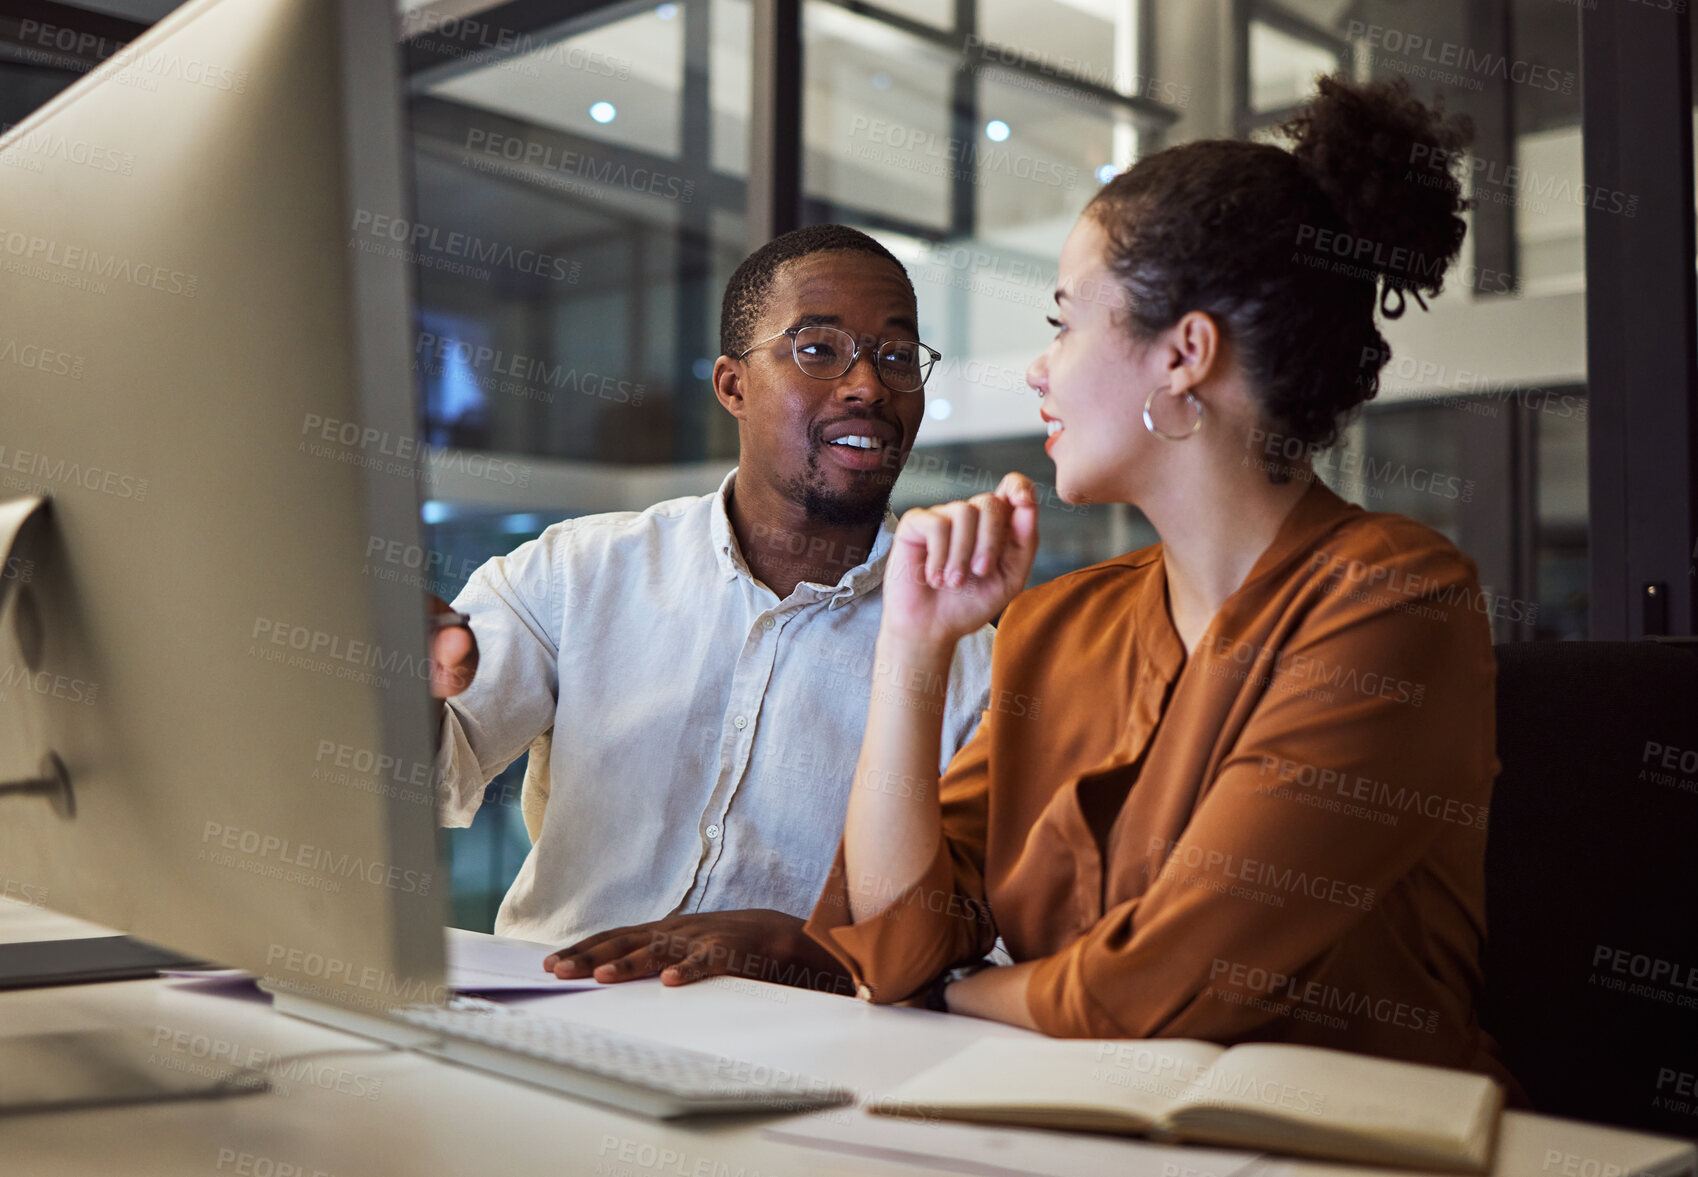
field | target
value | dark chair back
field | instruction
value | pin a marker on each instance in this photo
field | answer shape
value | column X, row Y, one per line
column 1591, row 957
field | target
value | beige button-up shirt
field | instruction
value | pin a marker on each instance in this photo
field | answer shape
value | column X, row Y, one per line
column 694, row 736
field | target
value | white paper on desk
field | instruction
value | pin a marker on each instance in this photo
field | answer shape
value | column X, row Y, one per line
column 494, row 964
column 1003, row 1152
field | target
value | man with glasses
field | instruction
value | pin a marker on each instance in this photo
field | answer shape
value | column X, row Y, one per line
column 692, row 680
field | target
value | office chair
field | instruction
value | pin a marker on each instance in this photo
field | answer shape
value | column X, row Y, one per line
column 1591, row 960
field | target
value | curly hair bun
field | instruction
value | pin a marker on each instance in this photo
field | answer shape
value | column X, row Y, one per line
column 1385, row 161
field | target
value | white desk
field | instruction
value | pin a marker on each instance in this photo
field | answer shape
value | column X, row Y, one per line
column 368, row 1111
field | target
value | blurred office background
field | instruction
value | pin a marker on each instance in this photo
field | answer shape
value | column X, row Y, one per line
column 635, row 144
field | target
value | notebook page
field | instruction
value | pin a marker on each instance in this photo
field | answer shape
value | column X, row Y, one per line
column 1430, row 1109
column 1137, row 1080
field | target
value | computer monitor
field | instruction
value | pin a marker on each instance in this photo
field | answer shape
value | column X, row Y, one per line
column 204, row 366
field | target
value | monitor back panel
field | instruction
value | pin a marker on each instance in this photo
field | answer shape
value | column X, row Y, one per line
column 203, row 361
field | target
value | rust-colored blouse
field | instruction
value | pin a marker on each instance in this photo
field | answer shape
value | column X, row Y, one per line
column 1279, row 838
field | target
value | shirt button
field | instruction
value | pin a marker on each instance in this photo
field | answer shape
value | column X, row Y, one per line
column 740, row 722
column 768, row 623
column 712, row 831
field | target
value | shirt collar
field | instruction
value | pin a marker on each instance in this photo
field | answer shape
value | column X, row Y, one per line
column 858, row 581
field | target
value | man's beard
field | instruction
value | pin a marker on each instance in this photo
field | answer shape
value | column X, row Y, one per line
column 838, row 510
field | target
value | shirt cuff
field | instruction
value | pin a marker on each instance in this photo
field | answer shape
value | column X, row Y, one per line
column 1061, row 1004
column 456, row 805
column 928, row 927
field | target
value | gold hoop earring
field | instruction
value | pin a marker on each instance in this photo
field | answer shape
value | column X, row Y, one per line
column 1150, row 422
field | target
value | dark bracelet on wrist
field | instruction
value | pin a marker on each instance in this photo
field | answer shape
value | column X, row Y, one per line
column 935, row 998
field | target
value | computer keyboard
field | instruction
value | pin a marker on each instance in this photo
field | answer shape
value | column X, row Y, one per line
column 633, row 1074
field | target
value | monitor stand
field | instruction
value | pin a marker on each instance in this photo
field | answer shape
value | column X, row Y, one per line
column 101, row 1068
column 94, row 1068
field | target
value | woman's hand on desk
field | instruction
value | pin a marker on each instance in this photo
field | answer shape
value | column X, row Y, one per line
column 954, row 567
column 453, row 655
column 761, row 944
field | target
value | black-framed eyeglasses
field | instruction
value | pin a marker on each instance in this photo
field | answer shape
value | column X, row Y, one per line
column 825, row 353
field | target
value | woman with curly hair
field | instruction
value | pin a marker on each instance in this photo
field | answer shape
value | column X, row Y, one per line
column 1232, row 786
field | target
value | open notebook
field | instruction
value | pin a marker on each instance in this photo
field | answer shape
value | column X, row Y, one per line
column 1292, row 1099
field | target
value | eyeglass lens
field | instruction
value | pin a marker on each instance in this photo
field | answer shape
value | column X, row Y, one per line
column 827, row 352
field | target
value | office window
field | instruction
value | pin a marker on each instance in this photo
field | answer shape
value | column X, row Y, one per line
column 603, row 172
column 972, row 167
column 1468, row 433
column 1284, row 66
column 610, row 163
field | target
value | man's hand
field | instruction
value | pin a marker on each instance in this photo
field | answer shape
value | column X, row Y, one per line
column 453, row 655
column 762, row 945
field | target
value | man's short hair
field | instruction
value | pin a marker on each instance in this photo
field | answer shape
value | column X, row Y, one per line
column 746, row 293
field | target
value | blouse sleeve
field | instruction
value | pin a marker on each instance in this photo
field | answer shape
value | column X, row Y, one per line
column 938, row 922
column 1393, row 694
